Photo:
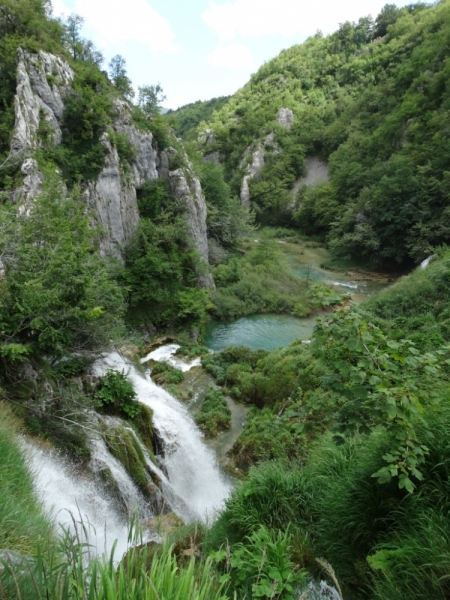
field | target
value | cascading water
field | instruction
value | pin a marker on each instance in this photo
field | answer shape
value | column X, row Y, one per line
column 70, row 497
column 425, row 263
column 192, row 468
column 167, row 354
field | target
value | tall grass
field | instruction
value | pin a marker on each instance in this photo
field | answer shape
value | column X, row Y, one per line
column 382, row 542
column 22, row 522
column 67, row 571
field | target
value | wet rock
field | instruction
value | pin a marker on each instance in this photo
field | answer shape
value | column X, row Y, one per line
column 164, row 525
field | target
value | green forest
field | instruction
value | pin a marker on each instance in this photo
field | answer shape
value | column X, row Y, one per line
column 373, row 100
column 341, row 468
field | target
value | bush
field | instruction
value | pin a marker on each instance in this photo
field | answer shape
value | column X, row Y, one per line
column 164, row 373
column 214, row 414
column 262, row 566
column 115, row 392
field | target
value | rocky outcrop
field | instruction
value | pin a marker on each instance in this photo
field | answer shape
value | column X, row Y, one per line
column 31, row 186
column 285, row 117
column 255, row 166
column 112, row 199
column 43, row 81
column 206, row 141
column 186, row 190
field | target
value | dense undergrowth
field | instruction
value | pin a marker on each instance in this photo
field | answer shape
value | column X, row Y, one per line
column 259, row 281
column 350, row 435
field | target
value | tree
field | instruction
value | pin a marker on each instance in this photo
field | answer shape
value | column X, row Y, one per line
column 119, row 77
column 57, row 294
column 150, row 99
column 388, row 15
column 72, row 38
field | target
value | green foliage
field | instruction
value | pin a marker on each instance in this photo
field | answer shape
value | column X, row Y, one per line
column 58, row 295
column 88, row 110
column 383, row 381
column 150, row 98
column 115, row 391
column 123, row 444
column 214, row 415
column 71, row 367
column 262, row 567
column 375, row 109
column 161, row 271
column 260, row 282
column 269, row 437
column 125, row 149
column 227, row 220
column 163, row 372
column 270, row 497
column 119, row 77
column 65, row 421
column 79, row 48
column 186, row 119
column 68, row 571
column 22, row 523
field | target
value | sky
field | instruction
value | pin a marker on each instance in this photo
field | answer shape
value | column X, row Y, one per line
column 201, row 49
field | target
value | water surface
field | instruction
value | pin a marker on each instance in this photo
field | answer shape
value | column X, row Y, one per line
column 258, row 331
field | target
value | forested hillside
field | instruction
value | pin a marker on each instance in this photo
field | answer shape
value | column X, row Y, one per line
column 186, row 119
column 373, row 100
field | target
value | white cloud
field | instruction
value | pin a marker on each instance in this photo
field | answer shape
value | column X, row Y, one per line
column 258, row 18
column 130, row 20
column 232, row 56
column 59, row 8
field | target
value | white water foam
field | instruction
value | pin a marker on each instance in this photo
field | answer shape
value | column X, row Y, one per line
column 167, row 354
column 425, row 263
column 69, row 497
column 191, row 467
column 353, row 286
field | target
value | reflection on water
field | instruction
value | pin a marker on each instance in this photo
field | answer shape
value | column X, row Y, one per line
column 258, row 331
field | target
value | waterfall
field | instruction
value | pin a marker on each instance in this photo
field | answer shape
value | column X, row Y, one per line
column 425, row 263
column 70, row 496
column 192, row 470
column 167, row 354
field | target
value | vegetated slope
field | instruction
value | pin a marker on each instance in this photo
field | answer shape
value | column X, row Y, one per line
column 185, row 120
column 374, row 100
column 357, row 423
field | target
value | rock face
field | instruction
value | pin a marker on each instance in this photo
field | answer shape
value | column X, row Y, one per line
column 43, row 81
column 254, row 167
column 285, row 117
column 186, row 189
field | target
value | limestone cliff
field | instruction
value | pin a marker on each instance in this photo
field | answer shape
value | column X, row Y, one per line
column 43, row 82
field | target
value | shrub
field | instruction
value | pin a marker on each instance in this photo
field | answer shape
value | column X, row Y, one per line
column 163, row 372
column 214, row 414
column 116, row 392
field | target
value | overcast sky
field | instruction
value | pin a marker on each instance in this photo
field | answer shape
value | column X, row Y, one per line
column 201, row 49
